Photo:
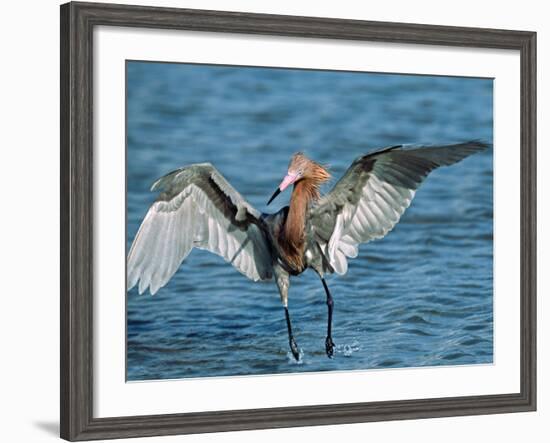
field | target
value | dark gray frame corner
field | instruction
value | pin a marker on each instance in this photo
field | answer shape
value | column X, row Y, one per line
column 77, row 24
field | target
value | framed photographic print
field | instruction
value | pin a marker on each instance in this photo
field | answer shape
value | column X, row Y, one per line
column 273, row 221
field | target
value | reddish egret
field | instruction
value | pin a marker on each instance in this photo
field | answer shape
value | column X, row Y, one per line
column 198, row 208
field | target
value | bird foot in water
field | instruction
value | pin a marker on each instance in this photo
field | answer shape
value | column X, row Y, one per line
column 294, row 348
column 329, row 347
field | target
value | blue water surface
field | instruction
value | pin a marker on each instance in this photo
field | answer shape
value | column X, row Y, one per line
column 422, row 296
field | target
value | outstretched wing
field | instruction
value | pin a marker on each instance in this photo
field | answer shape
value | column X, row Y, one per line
column 196, row 208
column 368, row 201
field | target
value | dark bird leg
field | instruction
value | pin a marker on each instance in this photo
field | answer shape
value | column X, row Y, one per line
column 291, row 341
column 329, row 344
column 282, row 278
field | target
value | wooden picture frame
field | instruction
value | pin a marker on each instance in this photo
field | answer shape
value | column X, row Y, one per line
column 77, row 23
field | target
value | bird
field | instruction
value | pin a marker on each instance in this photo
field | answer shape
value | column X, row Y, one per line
column 197, row 207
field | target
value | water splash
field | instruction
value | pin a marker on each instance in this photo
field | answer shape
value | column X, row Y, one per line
column 348, row 349
column 293, row 361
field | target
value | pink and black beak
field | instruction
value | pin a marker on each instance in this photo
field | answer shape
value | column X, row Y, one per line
column 287, row 181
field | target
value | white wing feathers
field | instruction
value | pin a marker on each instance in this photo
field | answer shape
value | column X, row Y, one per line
column 197, row 208
column 376, row 213
column 375, row 191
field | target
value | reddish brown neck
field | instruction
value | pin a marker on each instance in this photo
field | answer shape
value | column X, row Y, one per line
column 294, row 231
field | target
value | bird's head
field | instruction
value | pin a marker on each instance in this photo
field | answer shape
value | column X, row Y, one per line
column 302, row 168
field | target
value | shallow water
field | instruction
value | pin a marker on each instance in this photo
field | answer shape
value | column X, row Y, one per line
column 422, row 296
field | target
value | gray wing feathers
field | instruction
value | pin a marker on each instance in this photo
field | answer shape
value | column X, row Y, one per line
column 373, row 194
column 197, row 208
